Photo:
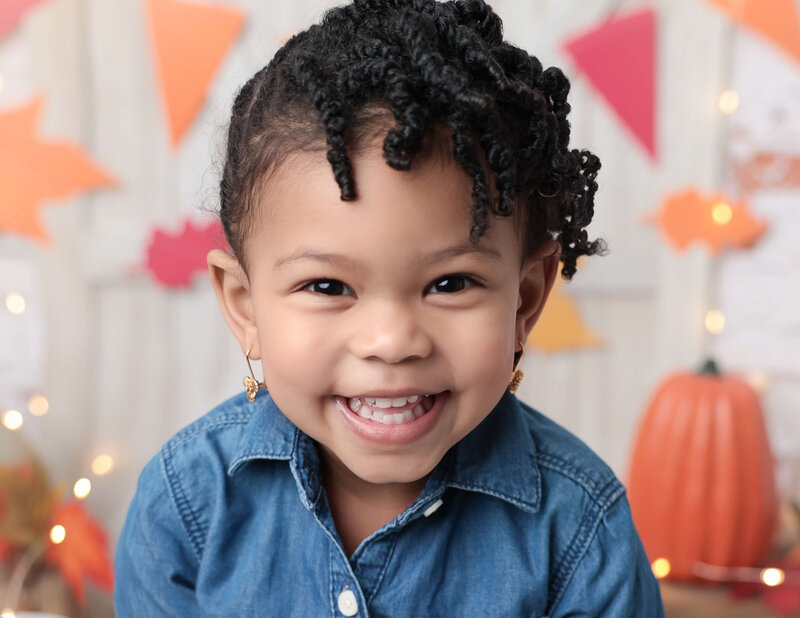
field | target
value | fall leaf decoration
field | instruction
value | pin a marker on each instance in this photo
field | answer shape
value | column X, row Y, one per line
column 560, row 326
column 84, row 552
column 12, row 11
column 688, row 217
column 28, row 500
column 32, row 171
column 29, row 508
column 174, row 259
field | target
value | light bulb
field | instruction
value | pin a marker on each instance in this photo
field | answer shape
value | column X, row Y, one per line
column 15, row 303
column 102, row 464
column 728, row 101
column 58, row 533
column 82, row 488
column 721, row 213
column 715, row 321
column 772, row 576
column 661, row 567
column 38, row 405
column 12, row 420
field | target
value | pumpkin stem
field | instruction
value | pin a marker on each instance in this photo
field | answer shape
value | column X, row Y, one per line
column 709, row 368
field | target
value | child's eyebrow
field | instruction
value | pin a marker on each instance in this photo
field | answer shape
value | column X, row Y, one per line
column 441, row 255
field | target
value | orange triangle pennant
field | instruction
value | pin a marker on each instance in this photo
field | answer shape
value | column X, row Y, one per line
column 560, row 326
column 775, row 19
column 190, row 42
column 32, row 171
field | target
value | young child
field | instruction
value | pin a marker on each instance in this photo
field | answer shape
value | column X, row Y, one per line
column 398, row 193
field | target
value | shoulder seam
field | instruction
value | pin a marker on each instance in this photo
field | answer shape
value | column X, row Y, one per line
column 601, row 495
column 191, row 431
column 613, row 490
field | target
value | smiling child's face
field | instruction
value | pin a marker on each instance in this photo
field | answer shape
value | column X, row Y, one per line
column 383, row 333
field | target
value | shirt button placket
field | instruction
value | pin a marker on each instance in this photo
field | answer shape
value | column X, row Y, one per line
column 347, row 602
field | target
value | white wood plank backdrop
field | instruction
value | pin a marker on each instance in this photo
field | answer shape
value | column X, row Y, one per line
column 125, row 364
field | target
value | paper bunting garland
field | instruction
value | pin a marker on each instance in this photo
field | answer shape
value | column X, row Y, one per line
column 32, row 171
column 560, row 326
column 190, row 41
column 776, row 20
column 12, row 11
column 619, row 59
column 175, row 259
column 687, row 217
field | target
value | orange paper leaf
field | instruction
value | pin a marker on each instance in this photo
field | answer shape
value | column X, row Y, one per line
column 32, row 171
column 775, row 19
column 560, row 326
column 687, row 217
column 190, row 42
column 84, row 552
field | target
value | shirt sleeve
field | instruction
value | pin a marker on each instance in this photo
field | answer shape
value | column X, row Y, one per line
column 614, row 577
column 155, row 563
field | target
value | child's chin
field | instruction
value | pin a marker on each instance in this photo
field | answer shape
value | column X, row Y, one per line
column 383, row 475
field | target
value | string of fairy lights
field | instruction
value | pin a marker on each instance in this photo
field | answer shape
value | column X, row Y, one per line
column 38, row 406
column 714, row 322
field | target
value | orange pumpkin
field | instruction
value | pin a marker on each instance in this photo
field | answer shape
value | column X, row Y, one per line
column 701, row 483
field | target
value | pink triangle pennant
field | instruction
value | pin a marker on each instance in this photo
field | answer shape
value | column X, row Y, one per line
column 619, row 59
column 11, row 12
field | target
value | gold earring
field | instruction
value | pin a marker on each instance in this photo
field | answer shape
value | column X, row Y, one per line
column 517, row 375
column 250, row 383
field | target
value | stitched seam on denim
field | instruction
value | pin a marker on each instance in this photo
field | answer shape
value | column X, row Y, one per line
column 568, row 565
column 187, row 516
column 595, row 493
column 497, row 494
column 190, row 432
column 385, row 567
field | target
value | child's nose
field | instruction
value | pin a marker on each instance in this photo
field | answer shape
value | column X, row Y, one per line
column 391, row 332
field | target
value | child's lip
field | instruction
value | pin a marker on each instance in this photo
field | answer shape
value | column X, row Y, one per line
column 391, row 394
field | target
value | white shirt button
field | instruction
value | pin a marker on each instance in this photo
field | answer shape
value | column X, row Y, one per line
column 347, row 603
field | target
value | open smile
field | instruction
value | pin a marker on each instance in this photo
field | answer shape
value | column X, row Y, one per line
column 391, row 410
column 392, row 419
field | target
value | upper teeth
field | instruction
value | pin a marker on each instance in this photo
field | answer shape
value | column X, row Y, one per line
column 390, row 402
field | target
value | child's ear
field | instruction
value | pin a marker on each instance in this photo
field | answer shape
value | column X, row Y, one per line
column 233, row 294
column 538, row 275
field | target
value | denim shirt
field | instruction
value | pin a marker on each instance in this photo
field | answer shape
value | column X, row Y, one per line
column 520, row 518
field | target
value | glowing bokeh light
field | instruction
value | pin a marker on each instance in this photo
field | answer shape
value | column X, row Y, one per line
column 102, row 464
column 772, row 576
column 728, row 101
column 82, row 488
column 38, row 405
column 721, row 213
column 15, row 303
column 58, row 533
column 661, row 567
column 12, row 420
column 715, row 321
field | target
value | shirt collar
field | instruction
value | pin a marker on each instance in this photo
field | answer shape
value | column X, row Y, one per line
column 267, row 435
column 497, row 458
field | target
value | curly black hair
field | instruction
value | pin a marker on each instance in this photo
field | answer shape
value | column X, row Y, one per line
column 403, row 69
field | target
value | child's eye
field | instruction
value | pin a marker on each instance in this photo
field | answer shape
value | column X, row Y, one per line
column 450, row 284
column 328, row 287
